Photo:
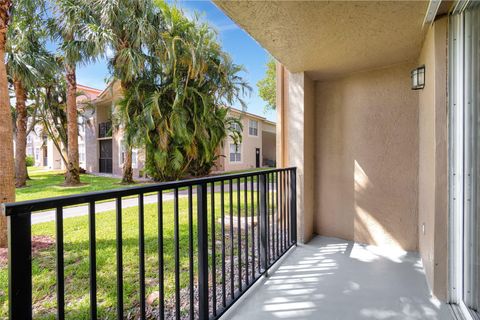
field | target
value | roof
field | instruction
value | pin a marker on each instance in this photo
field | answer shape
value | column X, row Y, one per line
column 238, row 111
column 87, row 88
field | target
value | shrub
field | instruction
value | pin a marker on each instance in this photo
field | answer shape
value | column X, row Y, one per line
column 30, row 161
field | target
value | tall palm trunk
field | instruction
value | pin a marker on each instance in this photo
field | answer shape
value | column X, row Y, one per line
column 127, row 177
column 127, row 167
column 21, row 141
column 7, row 171
column 72, row 175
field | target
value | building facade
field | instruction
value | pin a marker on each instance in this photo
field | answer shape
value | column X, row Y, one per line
column 43, row 149
column 257, row 148
column 105, row 150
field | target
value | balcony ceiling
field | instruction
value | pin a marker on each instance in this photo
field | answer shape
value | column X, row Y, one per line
column 328, row 39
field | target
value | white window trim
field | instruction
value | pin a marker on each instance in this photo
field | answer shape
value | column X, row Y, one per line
column 120, row 160
column 258, row 129
column 241, row 153
column 82, row 149
column 240, row 129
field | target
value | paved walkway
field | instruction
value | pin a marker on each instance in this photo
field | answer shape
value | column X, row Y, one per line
column 82, row 210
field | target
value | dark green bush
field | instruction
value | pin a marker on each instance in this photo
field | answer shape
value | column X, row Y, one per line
column 30, row 161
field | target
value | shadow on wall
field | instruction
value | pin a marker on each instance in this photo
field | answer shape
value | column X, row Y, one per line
column 374, row 221
column 367, row 158
column 335, row 279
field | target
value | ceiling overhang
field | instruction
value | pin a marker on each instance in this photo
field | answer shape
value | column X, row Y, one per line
column 328, row 39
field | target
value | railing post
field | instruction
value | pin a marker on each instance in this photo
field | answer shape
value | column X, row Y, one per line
column 293, row 205
column 20, row 266
column 263, row 222
column 202, row 251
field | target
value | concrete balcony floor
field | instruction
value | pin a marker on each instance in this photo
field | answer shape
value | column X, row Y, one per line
column 330, row 278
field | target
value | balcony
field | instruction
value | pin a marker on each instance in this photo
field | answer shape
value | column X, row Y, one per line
column 234, row 256
column 330, row 278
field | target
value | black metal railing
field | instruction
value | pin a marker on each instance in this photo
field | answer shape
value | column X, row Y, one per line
column 240, row 225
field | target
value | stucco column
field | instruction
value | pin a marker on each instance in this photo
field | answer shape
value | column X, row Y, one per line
column 295, row 141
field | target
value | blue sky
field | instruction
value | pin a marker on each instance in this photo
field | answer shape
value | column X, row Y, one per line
column 243, row 49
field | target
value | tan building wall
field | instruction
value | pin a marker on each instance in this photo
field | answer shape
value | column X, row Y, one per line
column 269, row 142
column 367, row 158
column 433, row 167
column 248, row 146
column 265, row 141
column 268, row 145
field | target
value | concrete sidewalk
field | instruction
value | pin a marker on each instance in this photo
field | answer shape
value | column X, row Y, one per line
column 82, row 210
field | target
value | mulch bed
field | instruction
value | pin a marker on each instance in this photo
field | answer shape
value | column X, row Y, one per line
column 39, row 243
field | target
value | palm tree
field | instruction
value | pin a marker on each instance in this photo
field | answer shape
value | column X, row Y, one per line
column 130, row 25
column 178, row 102
column 75, row 30
column 7, row 173
column 27, row 61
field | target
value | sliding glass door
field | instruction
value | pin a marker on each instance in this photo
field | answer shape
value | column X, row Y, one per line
column 465, row 159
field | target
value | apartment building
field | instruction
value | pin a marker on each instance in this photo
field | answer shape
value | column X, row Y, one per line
column 105, row 150
column 43, row 149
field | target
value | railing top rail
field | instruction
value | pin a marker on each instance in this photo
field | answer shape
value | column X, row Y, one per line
column 26, row 207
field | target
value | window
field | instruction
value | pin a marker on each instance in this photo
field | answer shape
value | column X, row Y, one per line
column 37, row 154
column 235, row 152
column 236, row 127
column 81, row 125
column 123, row 151
column 253, row 127
column 134, row 158
column 105, row 130
column 81, row 152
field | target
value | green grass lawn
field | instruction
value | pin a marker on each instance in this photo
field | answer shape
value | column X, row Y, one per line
column 48, row 183
column 77, row 262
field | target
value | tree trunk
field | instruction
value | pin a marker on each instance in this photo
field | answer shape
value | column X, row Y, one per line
column 7, row 171
column 72, row 175
column 21, row 141
column 127, row 163
column 127, row 167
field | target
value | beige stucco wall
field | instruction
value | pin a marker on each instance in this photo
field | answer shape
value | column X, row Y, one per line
column 268, row 145
column 432, row 167
column 367, row 158
column 297, row 131
column 248, row 146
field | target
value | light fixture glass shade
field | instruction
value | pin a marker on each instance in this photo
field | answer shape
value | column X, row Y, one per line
column 418, row 78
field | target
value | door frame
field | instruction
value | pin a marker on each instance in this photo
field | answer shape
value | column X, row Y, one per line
column 460, row 178
column 258, row 161
column 100, row 156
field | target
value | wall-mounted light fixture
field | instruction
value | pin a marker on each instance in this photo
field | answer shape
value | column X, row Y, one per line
column 418, row 78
